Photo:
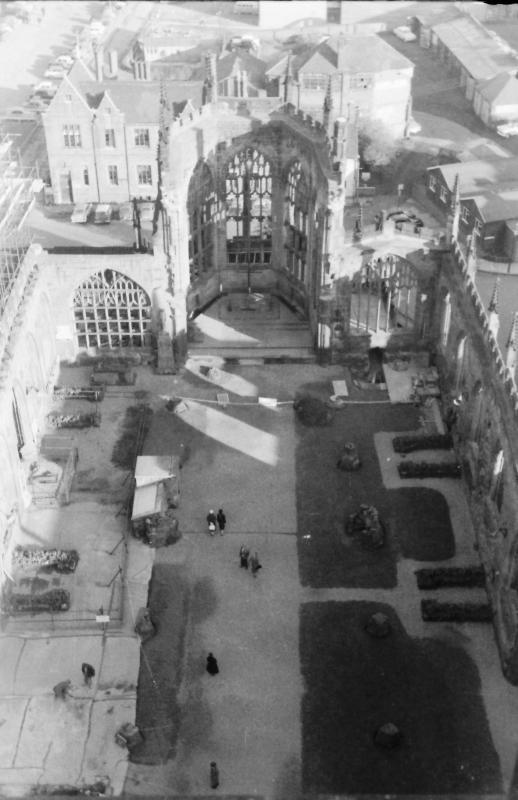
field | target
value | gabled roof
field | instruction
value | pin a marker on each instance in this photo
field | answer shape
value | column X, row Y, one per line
column 358, row 54
column 502, row 89
column 80, row 72
column 255, row 67
column 139, row 101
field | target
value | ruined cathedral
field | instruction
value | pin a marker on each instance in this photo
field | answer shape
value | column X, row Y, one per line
column 257, row 197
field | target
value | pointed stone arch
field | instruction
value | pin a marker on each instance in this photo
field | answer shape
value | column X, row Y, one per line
column 384, row 295
column 296, row 220
column 201, row 209
column 248, row 201
column 111, row 311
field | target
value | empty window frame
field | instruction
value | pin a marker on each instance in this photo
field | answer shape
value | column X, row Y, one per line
column 248, row 189
column 201, row 207
column 111, row 311
column 296, row 221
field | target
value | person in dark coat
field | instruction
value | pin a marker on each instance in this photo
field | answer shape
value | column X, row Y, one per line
column 62, row 689
column 255, row 566
column 222, row 520
column 88, row 673
column 214, row 775
column 212, row 665
column 244, row 553
column 211, row 522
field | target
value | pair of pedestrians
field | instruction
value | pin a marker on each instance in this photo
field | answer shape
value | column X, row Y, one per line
column 246, row 560
column 218, row 520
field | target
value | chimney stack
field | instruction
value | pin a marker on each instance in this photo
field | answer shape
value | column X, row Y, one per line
column 99, row 56
column 114, row 63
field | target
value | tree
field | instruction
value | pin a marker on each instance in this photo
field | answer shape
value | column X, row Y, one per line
column 377, row 145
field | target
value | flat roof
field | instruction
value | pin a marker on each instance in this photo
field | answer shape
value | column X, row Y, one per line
column 481, row 54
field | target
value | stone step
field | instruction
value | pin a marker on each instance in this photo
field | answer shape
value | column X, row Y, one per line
column 265, row 354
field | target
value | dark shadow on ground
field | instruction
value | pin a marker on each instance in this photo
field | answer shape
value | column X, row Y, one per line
column 326, row 496
column 356, row 683
column 158, row 711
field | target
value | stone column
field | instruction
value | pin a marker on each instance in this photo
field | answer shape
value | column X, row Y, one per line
column 336, row 232
column 178, row 264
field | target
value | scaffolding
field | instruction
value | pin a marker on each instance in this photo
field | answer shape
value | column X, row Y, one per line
column 17, row 186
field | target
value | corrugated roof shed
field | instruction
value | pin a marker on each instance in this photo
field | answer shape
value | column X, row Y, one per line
column 480, row 54
column 475, row 176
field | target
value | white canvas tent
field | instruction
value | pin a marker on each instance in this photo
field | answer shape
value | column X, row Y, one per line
column 151, row 496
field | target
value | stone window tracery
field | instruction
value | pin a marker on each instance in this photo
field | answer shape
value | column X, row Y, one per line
column 296, row 221
column 248, row 189
column 445, row 319
column 201, row 208
column 111, row 310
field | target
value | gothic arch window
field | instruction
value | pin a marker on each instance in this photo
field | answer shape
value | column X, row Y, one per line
column 497, row 479
column 384, row 295
column 201, row 208
column 248, row 189
column 460, row 361
column 296, row 221
column 111, row 310
column 445, row 319
column 477, row 410
column 18, row 424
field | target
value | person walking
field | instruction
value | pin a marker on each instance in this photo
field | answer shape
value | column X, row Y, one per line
column 62, row 689
column 244, row 553
column 222, row 521
column 88, row 673
column 255, row 566
column 214, row 775
column 212, row 665
column 211, row 522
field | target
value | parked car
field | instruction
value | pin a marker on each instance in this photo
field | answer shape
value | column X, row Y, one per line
column 102, row 213
column 413, row 127
column 247, row 43
column 55, row 71
column 405, row 216
column 38, row 103
column 404, row 33
column 508, row 129
column 45, row 89
column 81, row 212
column 19, row 112
column 65, row 61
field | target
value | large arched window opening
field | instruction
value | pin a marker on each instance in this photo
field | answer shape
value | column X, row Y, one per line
column 445, row 319
column 111, row 310
column 201, row 207
column 248, row 189
column 296, row 221
column 384, row 295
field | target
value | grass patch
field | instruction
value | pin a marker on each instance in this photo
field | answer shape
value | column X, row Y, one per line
column 420, row 521
column 429, row 689
column 158, row 711
column 326, row 496
column 135, row 426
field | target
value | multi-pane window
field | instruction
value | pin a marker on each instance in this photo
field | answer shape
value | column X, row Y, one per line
column 201, row 207
column 144, row 175
column 141, row 137
column 477, row 226
column 113, row 175
column 464, row 213
column 72, row 135
column 110, row 310
column 296, row 221
column 432, row 182
column 86, row 177
column 443, row 194
column 109, row 137
column 315, row 81
column 248, row 189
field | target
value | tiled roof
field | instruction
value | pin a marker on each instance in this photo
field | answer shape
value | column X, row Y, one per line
column 140, row 100
column 369, row 54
